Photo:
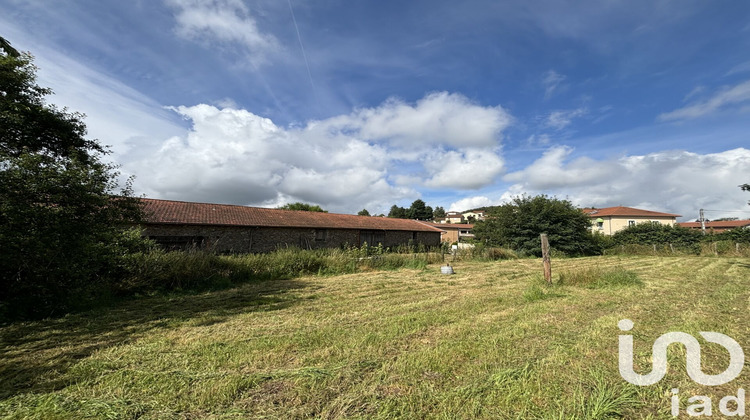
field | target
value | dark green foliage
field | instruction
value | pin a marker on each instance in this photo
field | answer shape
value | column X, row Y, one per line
column 60, row 229
column 7, row 48
column 657, row 234
column 302, row 207
column 419, row 211
column 737, row 235
column 438, row 213
column 363, row 212
column 518, row 224
column 745, row 187
column 397, row 212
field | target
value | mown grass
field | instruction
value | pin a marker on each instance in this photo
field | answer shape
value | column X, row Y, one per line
column 409, row 343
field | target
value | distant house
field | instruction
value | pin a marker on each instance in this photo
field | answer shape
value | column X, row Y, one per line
column 231, row 228
column 451, row 233
column 474, row 215
column 453, row 217
column 609, row 220
column 718, row 226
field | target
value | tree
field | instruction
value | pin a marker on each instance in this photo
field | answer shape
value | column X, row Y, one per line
column 302, row 207
column 745, row 187
column 419, row 211
column 397, row 212
column 438, row 213
column 8, row 49
column 363, row 212
column 61, row 218
column 518, row 224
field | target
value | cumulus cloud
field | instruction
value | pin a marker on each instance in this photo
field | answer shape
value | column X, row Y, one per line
column 734, row 95
column 344, row 163
column 472, row 203
column 673, row 181
column 552, row 171
column 222, row 21
column 438, row 118
column 468, row 169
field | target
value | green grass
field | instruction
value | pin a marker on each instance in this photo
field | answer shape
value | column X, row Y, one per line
column 599, row 278
column 489, row 342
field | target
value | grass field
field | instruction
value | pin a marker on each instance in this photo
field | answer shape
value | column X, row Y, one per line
column 490, row 341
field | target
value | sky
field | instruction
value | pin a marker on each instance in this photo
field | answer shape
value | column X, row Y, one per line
column 366, row 104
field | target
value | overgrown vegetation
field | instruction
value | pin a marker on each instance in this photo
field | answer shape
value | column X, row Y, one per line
column 61, row 239
column 599, row 278
column 657, row 239
column 158, row 270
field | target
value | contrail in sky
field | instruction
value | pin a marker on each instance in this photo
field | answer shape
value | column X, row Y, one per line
column 304, row 56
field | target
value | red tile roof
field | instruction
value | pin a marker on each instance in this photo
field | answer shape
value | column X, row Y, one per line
column 625, row 211
column 723, row 224
column 187, row 213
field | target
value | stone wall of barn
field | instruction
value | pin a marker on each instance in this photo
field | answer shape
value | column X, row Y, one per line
column 266, row 239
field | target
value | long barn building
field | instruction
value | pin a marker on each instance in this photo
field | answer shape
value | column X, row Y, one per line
column 232, row 228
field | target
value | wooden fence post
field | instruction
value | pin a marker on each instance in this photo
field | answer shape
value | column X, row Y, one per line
column 545, row 259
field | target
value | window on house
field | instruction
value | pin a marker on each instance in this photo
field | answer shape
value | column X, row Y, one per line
column 631, row 222
column 321, row 234
column 600, row 225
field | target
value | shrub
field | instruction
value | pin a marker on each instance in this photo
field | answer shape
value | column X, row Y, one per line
column 518, row 224
column 657, row 234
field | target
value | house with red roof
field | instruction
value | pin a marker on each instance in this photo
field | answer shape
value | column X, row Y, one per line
column 232, row 228
column 609, row 220
column 718, row 226
column 454, row 232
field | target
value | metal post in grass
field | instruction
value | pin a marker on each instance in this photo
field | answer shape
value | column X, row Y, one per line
column 545, row 259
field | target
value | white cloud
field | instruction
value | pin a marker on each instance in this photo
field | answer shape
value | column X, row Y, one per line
column 342, row 163
column 110, row 106
column 222, row 21
column 552, row 170
column 551, row 82
column 471, row 203
column 727, row 96
column 468, row 169
column 743, row 67
column 562, row 118
column 537, row 140
column 673, row 181
column 438, row 118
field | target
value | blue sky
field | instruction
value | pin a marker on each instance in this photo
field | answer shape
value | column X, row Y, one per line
column 363, row 104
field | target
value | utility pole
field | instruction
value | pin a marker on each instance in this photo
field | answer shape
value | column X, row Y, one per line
column 703, row 222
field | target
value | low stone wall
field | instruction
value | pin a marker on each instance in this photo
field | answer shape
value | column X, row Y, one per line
column 265, row 239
